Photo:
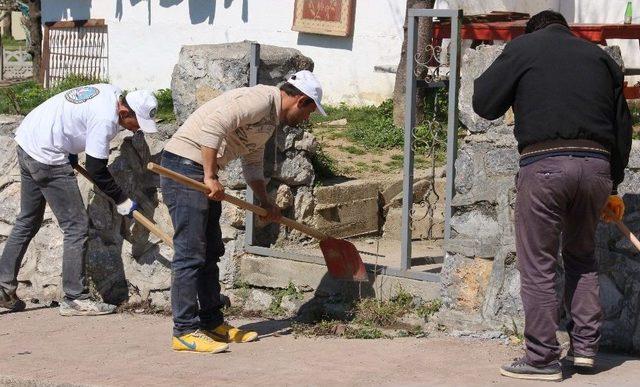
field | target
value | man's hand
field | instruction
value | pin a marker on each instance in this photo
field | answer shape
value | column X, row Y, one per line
column 613, row 210
column 127, row 207
column 216, row 189
column 273, row 213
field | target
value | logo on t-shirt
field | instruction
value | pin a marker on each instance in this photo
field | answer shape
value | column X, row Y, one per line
column 81, row 94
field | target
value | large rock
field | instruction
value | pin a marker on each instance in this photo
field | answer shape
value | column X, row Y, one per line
column 205, row 71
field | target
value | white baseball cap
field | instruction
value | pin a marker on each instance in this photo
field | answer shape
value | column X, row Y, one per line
column 307, row 83
column 145, row 105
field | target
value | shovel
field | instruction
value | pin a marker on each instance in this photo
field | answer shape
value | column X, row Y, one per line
column 342, row 257
column 137, row 215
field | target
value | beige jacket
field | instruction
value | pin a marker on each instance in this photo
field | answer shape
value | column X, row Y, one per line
column 237, row 123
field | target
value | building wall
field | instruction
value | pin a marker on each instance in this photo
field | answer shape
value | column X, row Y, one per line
column 145, row 36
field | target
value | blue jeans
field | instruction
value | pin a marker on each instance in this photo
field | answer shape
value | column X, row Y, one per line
column 197, row 239
column 56, row 185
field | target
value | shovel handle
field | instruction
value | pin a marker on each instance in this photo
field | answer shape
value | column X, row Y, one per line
column 137, row 215
column 198, row 186
column 625, row 230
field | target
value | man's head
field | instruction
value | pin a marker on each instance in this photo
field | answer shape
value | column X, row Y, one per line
column 137, row 110
column 301, row 96
column 543, row 19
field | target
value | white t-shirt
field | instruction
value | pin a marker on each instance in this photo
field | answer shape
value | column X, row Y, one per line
column 76, row 120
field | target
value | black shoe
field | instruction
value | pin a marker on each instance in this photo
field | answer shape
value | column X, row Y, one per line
column 519, row 369
column 579, row 360
column 11, row 301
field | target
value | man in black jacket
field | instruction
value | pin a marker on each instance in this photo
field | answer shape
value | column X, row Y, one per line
column 573, row 128
column 84, row 119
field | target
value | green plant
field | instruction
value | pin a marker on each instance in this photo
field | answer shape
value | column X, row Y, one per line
column 324, row 166
column 374, row 312
column 354, row 150
column 363, row 333
column 165, row 105
column 429, row 308
column 10, row 44
column 275, row 309
column 26, row 96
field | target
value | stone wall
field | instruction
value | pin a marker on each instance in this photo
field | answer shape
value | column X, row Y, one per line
column 480, row 281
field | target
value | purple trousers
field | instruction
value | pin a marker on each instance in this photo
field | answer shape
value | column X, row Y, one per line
column 558, row 205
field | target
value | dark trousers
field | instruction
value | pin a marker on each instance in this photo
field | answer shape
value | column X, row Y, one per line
column 197, row 239
column 560, row 195
column 56, row 185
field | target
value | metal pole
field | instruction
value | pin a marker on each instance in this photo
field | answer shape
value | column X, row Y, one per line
column 409, row 123
column 452, row 127
column 254, row 66
column 1, row 60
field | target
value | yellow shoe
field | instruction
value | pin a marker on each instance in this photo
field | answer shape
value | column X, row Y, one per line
column 198, row 342
column 230, row 334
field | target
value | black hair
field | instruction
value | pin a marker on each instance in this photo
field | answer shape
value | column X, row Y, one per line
column 293, row 91
column 544, row 19
column 123, row 100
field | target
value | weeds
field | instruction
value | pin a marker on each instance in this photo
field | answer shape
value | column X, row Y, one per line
column 26, row 96
column 324, row 166
column 384, row 314
column 165, row 105
column 275, row 309
column 429, row 308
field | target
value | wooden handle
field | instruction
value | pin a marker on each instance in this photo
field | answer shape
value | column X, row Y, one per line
column 234, row 200
column 137, row 215
column 626, row 232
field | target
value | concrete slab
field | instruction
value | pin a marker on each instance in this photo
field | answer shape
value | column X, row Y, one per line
column 277, row 272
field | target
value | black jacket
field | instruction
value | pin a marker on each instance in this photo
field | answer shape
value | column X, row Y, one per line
column 560, row 87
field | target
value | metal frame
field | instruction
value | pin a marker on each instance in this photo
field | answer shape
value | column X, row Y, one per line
column 409, row 122
column 410, row 107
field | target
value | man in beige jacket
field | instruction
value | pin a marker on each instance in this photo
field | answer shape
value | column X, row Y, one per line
column 236, row 124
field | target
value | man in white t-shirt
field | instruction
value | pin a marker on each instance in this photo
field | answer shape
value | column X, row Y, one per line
column 84, row 119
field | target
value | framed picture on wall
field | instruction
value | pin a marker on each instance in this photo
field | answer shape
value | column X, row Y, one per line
column 326, row 17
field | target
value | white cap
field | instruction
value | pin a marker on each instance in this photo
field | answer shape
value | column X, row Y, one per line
column 145, row 105
column 307, row 83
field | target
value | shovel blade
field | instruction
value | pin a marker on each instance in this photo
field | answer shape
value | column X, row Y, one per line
column 343, row 260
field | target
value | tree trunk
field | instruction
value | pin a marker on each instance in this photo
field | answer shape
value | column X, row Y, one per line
column 33, row 23
column 424, row 39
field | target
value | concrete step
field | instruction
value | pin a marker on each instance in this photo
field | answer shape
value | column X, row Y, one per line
column 278, row 273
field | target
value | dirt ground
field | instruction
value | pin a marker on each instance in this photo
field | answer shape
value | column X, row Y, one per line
column 40, row 348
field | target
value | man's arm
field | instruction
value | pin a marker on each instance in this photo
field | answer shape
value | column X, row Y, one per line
column 623, row 130
column 259, row 188
column 494, row 91
column 253, row 171
column 210, row 166
column 101, row 176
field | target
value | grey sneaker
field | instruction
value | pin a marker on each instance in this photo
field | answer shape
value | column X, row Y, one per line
column 579, row 360
column 519, row 369
column 11, row 301
column 85, row 308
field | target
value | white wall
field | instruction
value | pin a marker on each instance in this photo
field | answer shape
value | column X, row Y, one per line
column 472, row 7
column 145, row 37
column 609, row 11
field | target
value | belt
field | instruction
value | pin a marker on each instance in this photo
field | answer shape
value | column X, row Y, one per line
column 180, row 160
column 564, row 146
